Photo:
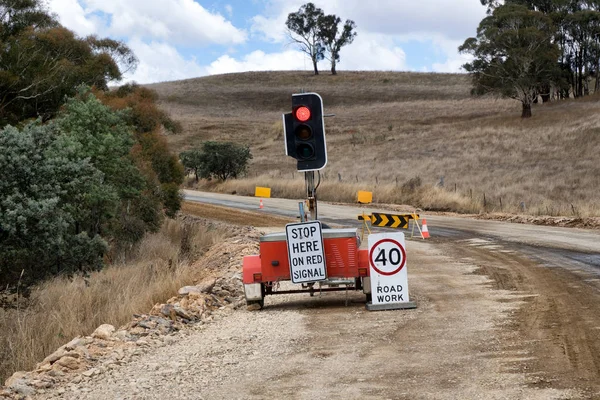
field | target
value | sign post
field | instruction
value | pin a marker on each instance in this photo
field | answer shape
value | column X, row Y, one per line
column 388, row 272
column 305, row 252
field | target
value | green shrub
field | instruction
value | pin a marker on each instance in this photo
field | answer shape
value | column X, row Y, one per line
column 223, row 160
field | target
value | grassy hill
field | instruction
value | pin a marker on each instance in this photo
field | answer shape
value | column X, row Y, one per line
column 391, row 128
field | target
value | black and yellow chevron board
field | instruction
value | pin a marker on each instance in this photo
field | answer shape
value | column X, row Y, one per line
column 388, row 220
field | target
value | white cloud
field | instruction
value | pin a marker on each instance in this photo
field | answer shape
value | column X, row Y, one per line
column 73, row 16
column 229, row 9
column 454, row 60
column 161, row 62
column 260, row 61
column 371, row 51
column 176, row 21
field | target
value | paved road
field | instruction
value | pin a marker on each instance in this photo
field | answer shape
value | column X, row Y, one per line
column 578, row 246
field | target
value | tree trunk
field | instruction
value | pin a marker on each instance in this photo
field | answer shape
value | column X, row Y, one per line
column 546, row 90
column 333, row 71
column 526, row 110
column 545, row 97
column 315, row 66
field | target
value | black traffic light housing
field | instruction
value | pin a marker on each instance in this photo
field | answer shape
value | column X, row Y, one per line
column 304, row 130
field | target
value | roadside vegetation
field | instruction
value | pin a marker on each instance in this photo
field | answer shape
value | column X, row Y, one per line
column 87, row 181
column 59, row 309
column 84, row 172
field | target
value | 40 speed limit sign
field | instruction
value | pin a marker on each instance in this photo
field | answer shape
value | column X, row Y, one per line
column 389, row 277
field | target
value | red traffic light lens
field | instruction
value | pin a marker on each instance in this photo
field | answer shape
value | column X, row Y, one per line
column 302, row 113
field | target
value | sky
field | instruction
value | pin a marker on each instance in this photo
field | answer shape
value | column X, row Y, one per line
column 179, row 39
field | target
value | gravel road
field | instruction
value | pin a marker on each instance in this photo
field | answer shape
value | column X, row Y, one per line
column 464, row 341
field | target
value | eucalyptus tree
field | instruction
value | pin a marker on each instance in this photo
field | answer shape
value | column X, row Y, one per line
column 335, row 37
column 514, row 54
column 304, row 29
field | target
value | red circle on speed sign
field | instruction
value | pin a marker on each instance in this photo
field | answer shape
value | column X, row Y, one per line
column 382, row 257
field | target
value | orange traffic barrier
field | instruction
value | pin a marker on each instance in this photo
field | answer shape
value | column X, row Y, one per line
column 260, row 205
column 425, row 231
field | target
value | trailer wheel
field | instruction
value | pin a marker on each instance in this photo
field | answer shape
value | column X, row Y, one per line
column 261, row 303
column 358, row 284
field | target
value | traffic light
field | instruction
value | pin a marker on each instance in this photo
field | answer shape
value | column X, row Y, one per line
column 304, row 130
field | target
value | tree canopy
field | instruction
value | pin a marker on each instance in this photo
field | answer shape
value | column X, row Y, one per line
column 220, row 160
column 41, row 62
column 303, row 29
column 576, row 33
column 319, row 35
column 514, row 54
column 334, row 38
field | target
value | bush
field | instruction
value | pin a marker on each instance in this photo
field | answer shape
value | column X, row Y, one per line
column 49, row 193
column 223, row 160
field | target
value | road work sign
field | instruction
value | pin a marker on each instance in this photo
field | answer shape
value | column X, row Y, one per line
column 305, row 252
column 389, row 277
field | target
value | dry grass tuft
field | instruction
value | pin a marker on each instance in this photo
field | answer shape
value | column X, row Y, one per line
column 65, row 307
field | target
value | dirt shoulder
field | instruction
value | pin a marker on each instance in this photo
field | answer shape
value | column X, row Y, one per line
column 460, row 342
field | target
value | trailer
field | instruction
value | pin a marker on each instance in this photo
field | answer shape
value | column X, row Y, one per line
column 347, row 267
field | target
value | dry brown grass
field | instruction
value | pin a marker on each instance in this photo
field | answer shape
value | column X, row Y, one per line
column 391, row 127
column 65, row 307
column 235, row 217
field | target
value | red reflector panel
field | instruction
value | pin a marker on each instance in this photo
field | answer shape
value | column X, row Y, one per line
column 302, row 114
column 257, row 277
column 362, row 272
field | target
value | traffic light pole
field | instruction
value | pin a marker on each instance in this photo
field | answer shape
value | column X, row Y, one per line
column 311, row 193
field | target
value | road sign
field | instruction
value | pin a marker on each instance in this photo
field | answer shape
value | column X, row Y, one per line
column 305, row 252
column 389, row 220
column 389, row 277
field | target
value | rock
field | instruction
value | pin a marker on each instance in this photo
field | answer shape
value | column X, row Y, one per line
column 206, row 285
column 121, row 335
column 43, row 367
column 147, row 324
column 182, row 313
column 168, row 311
column 69, row 362
column 253, row 307
column 55, row 356
column 186, row 290
column 42, row 384
column 56, row 373
column 104, row 332
column 76, row 342
column 90, row 372
column 14, row 378
column 23, row 389
column 138, row 331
